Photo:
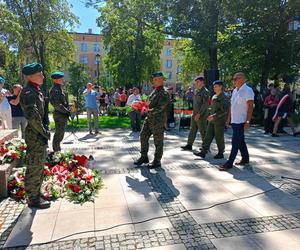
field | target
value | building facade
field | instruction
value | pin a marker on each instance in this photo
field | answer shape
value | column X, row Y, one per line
column 88, row 45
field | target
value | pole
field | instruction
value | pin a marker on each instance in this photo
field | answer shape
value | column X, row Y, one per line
column 98, row 73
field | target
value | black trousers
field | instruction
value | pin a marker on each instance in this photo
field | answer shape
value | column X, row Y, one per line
column 135, row 117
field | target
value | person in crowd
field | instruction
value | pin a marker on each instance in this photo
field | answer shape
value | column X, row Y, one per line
column 36, row 135
column 135, row 115
column 154, row 123
column 283, row 111
column 189, row 97
column 91, row 97
column 270, row 103
column 116, row 97
column 123, row 98
column 217, row 114
column 60, row 102
column 18, row 119
column 240, row 114
column 170, row 122
column 199, row 117
column 103, row 101
column 5, row 109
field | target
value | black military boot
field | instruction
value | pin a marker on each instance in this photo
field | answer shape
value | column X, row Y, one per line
column 141, row 160
column 154, row 164
column 201, row 154
column 187, row 147
column 39, row 203
column 219, row 156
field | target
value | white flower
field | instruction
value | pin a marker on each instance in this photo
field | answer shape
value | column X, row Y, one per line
column 88, row 192
column 22, row 141
column 82, row 182
column 81, row 197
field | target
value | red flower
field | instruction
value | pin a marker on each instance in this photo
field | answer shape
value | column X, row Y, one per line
column 89, row 177
column 70, row 185
column 76, row 172
column 14, row 182
column 83, row 170
column 14, row 155
column 81, row 159
column 76, row 189
column 23, row 147
column 20, row 193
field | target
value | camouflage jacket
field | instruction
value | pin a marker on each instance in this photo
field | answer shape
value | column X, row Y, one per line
column 158, row 101
column 200, row 102
column 32, row 104
column 219, row 107
column 59, row 101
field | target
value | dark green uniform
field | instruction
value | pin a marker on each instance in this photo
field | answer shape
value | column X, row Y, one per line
column 200, row 105
column 154, row 123
column 215, row 128
column 59, row 100
column 36, row 138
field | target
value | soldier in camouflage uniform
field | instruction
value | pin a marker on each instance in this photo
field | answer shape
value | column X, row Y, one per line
column 59, row 100
column 154, row 122
column 216, row 121
column 36, row 136
column 198, row 119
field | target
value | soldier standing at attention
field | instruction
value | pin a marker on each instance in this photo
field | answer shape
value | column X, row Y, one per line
column 59, row 100
column 198, row 119
column 154, row 122
column 216, row 121
column 36, row 136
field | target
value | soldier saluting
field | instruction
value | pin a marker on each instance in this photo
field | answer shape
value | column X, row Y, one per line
column 36, row 135
column 154, row 122
column 59, row 100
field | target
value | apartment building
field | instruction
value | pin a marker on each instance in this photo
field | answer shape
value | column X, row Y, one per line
column 88, row 45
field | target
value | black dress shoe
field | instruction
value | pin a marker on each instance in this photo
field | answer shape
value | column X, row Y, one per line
column 187, row 147
column 141, row 160
column 275, row 135
column 225, row 167
column 242, row 162
column 219, row 156
column 201, row 154
column 154, row 164
column 40, row 204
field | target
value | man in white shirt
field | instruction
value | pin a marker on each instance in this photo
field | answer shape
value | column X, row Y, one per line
column 242, row 100
column 135, row 115
column 5, row 110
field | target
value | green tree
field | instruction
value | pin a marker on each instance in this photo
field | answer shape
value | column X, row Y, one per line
column 43, row 33
column 133, row 48
column 78, row 80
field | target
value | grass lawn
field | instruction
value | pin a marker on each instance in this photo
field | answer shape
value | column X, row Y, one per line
column 104, row 122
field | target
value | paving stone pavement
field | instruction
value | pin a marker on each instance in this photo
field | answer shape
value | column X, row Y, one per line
column 187, row 229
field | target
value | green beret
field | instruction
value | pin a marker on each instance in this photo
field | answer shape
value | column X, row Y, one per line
column 32, row 68
column 218, row 82
column 57, row 75
column 2, row 80
column 157, row 74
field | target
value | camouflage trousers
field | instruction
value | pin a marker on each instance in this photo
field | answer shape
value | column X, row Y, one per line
column 195, row 126
column 35, row 159
column 214, row 130
column 157, row 130
column 60, row 126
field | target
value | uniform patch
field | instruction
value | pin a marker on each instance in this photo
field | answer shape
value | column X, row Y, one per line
column 28, row 92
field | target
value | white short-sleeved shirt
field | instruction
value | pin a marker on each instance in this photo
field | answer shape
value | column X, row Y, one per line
column 239, row 106
column 4, row 104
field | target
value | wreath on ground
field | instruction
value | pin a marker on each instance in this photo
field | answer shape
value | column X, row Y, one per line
column 65, row 175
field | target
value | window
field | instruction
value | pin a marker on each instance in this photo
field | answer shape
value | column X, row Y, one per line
column 84, row 47
column 169, row 64
column 95, row 61
column 169, row 75
column 168, row 52
column 84, row 60
column 96, row 47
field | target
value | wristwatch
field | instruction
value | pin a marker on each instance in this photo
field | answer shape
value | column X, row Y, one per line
column 247, row 122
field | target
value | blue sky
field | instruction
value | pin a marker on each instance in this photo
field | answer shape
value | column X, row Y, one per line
column 86, row 15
